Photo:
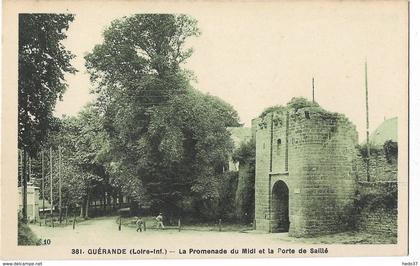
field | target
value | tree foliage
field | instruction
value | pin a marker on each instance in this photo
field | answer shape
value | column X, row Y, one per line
column 81, row 144
column 168, row 143
column 245, row 152
column 43, row 61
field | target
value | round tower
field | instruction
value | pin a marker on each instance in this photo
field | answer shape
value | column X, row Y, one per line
column 305, row 181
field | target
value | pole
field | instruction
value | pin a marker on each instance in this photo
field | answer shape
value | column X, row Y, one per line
column 313, row 90
column 24, row 190
column 43, row 184
column 119, row 226
column 30, row 169
column 220, row 225
column 271, row 169
column 51, row 187
column 60, row 213
column 367, row 127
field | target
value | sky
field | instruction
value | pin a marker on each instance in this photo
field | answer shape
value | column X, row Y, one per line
column 257, row 55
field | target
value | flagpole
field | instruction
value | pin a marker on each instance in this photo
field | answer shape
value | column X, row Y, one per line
column 313, row 90
column 367, row 126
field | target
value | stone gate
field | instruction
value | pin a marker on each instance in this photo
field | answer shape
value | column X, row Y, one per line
column 305, row 182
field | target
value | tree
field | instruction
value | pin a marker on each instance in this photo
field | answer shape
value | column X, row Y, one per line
column 166, row 138
column 83, row 145
column 86, row 153
column 43, row 60
column 184, row 151
column 140, row 59
column 91, row 153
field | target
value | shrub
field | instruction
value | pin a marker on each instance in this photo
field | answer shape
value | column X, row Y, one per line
column 391, row 150
column 374, row 196
column 25, row 235
column 297, row 103
column 374, row 150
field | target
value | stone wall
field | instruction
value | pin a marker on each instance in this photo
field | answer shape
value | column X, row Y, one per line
column 380, row 168
column 377, row 208
column 380, row 221
column 244, row 197
column 313, row 152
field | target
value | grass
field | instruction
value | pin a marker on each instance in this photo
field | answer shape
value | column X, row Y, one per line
column 26, row 237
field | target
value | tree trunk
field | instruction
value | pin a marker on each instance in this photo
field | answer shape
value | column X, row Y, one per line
column 51, row 184
column 43, row 185
column 108, row 200
column 104, row 201
column 82, row 206
column 60, row 207
column 87, row 207
column 120, row 200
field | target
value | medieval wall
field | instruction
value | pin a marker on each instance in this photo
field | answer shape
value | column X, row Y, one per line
column 377, row 196
column 244, row 196
column 312, row 152
column 377, row 208
column 380, row 167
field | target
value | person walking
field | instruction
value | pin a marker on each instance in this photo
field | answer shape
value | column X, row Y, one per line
column 159, row 220
column 140, row 224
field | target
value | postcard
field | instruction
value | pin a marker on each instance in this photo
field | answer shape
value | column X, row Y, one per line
column 204, row 129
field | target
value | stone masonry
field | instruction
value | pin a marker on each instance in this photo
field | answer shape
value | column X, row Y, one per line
column 305, row 181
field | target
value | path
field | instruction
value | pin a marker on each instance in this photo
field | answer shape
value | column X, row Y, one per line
column 104, row 231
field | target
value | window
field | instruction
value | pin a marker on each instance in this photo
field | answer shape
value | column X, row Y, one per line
column 278, row 146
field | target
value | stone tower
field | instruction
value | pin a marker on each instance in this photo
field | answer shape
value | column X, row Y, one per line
column 304, row 178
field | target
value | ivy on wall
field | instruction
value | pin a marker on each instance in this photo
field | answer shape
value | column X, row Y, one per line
column 390, row 150
column 374, row 196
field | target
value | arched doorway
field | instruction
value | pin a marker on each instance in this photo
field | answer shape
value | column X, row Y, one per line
column 280, row 207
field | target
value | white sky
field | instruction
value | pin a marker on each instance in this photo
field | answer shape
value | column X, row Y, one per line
column 257, row 57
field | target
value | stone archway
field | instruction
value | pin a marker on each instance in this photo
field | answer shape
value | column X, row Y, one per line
column 280, row 207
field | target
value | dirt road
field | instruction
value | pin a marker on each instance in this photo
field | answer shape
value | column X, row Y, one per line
column 104, row 231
